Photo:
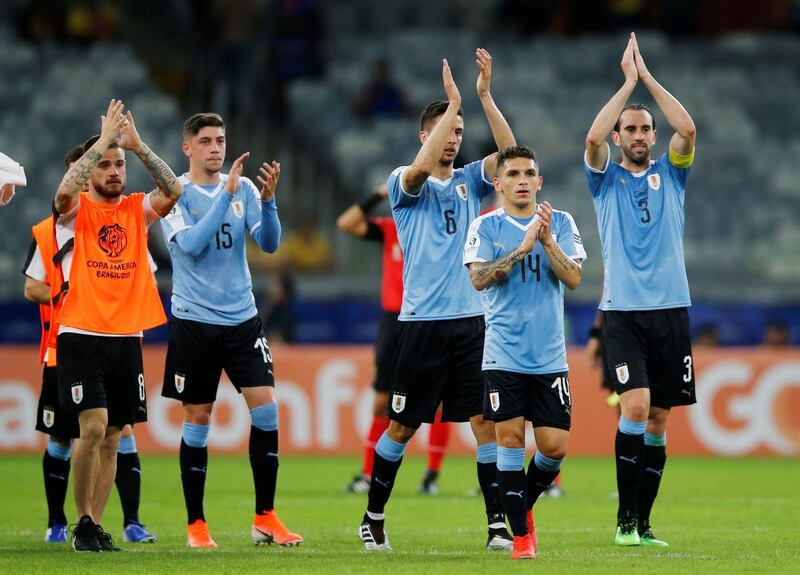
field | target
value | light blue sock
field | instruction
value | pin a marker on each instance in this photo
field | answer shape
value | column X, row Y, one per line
column 389, row 449
column 631, row 427
column 510, row 458
column 487, row 453
column 195, row 435
column 265, row 417
column 127, row 445
column 546, row 463
column 655, row 440
column 57, row 451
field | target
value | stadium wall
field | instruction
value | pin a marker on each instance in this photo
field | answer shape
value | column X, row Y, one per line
column 748, row 404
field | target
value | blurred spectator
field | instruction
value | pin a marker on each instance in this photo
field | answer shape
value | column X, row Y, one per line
column 90, row 21
column 277, row 308
column 305, row 248
column 707, row 336
column 776, row 335
column 381, row 97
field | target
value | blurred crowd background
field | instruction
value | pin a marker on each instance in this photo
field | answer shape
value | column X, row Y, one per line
column 332, row 89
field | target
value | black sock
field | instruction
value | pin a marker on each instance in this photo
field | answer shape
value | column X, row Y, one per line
column 56, row 477
column 264, row 463
column 514, row 498
column 129, row 485
column 487, row 479
column 655, row 457
column 538, row 481
column 384, row 473
column 629, row 451
column 194, row 461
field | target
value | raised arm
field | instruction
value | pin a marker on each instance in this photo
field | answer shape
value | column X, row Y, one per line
column 80, row 171
column 168, row 188
column 683, row 140
column 431, row 150
column 567, row 270
column 596, row 145
column 484, row 274
column 501, row 131
column 268, row 235
column 354, row 220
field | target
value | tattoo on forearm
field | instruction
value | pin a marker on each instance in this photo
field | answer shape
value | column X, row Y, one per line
column 560, row 259
column 80, row 173
column 495, row 270
column 161, row 173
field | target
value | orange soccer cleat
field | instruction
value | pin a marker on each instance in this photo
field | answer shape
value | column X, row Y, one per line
column 198, row 535
column 267, row 528
column 523, row 547
column 532, row 531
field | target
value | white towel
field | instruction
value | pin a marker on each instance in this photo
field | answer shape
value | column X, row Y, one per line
column 11, row 174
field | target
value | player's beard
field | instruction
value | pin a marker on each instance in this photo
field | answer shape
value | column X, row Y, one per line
column 642, row 160
column 110, row 194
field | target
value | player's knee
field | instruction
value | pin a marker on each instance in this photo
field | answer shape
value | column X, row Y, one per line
column 511, row 439
column 93, row 431
column 554, row 450
column 198, row 415
column 400, row 433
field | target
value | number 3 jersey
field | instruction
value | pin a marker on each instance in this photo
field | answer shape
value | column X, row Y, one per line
column 432, row 225
column 525, row 311
column 205, row 233
column 640, row 218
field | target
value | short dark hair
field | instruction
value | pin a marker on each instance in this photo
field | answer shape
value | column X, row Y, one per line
column 73, row 155
column 433, row 111
column 92, row 141
column 635, row 107
column 517, row 151
column 197, row 122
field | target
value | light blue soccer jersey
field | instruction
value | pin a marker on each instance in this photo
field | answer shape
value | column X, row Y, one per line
column 205, row 233
column 432, row 227
column 525, row 312
column 640, row 218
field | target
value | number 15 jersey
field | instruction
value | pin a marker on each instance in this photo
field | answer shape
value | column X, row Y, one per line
column 432, row 227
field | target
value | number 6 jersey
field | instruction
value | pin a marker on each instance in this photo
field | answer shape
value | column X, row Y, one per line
column 432, row 225
column 525, row 311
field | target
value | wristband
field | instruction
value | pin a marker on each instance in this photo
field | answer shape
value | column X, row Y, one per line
column 369, row 203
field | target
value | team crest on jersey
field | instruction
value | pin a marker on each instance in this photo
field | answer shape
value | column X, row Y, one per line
column 494, row 400
column 622, row 373
column 462, row 191
column 398, row 402
column 77, row 392
column 112, row 239
column 48, row 417
column 180, row 380
column 238, row 208
column 654, row 180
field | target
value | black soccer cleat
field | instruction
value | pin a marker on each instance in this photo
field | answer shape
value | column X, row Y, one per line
column 104, row 539
column 84, row 536
column 373, row 536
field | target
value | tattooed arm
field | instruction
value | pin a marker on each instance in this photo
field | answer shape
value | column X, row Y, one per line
column 484, row 274
column 566, row 269
column 168, row 189
column 80, row 172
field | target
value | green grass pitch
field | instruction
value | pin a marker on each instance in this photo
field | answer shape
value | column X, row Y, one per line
column 719, row 516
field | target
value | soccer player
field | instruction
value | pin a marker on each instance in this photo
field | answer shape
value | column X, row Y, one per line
column 640, row 216
column 112, row 298
column 215, row 323
column 521, row 256
column 356, row 221
column 44, row 285
column 440, row 337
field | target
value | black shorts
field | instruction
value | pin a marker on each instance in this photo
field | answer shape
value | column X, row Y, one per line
column 651, row 349
column 542, row 399
column 50, row 417
column 386, row 352
column 438, row 362
column 198, row 352
column 609, row 380
column 102, row 371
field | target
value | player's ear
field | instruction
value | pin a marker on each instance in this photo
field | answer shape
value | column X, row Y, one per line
column 185, row 148
column 541, row 181
column 496, row 183
column 423, row 135
column 615, row 138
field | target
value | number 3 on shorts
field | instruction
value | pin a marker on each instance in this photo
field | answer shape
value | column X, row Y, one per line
column 261, row 343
